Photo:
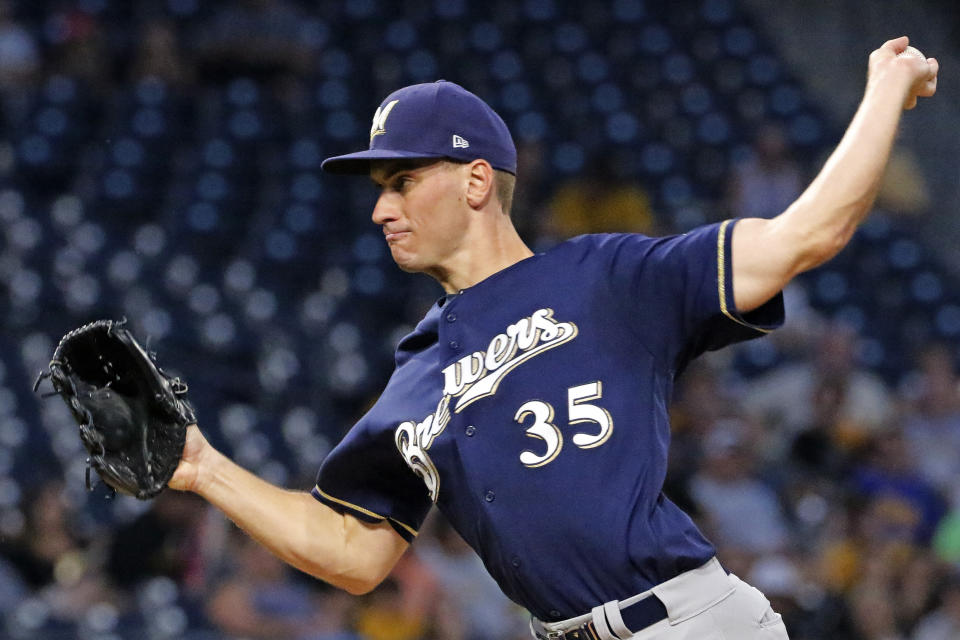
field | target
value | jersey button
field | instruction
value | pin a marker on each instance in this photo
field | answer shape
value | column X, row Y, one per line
column 470, row 430
column 454, row 345
column 490, row 496
column 451, row 317
column 554, row 613
column 515, row 562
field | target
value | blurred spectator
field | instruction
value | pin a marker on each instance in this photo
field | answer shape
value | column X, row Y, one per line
column 932, row 424
column 49, row 546
column 407, row 605
column 907, row 507
column 946, row 539
column 167, row 540
column 943, row 623
column 600, row 200
column 904, row 188
column 256, row 38
column 873, row 612
column 159, row 55
column 768, row 181
column 335, row 615
column 448, row 624
column 54, row 560
column 20, row 64
column 917, row 587
column 469, row 593
column 700, row 400
column 778, row 577
column 784, row 397
column 818, row 449
column 386, row 615
column 703, row 396
column 80, row 43
column 729, row 494
column 12, row 587
column 19, row 56
column 260, row 600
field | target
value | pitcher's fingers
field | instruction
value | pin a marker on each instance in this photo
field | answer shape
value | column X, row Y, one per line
column 897, row 45
column 929, row 86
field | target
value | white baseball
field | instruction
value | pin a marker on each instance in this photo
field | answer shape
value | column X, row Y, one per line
column 912, row 51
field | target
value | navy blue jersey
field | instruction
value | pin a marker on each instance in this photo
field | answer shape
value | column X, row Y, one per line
column 532, row 408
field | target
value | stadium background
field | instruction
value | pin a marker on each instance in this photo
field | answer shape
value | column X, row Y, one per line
column 159, row 161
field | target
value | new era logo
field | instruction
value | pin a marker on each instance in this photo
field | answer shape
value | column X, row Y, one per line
column 460, row 143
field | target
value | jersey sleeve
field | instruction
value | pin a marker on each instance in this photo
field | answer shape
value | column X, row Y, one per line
column 365, row 476
column 678, row 291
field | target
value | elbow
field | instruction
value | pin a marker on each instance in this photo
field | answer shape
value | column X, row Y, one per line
column 819, row 246
column 823, row 251
column 362, row 578
column 355, row 584
column 345, row 552
column 355, row 578
column 360, row 587
column 819, row 229
column 824, row 241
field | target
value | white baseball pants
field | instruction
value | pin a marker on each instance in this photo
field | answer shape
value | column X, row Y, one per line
column 703, row 604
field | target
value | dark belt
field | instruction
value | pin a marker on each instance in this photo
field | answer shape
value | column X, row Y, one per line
column 637, row 617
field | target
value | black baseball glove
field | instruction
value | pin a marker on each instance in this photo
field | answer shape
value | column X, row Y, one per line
column 133, row 417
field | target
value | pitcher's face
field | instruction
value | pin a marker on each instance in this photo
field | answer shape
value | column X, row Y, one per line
column 422, row 211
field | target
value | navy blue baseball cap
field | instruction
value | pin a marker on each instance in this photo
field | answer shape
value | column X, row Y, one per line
column 433, row 120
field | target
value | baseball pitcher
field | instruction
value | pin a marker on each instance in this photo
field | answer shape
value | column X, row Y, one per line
column 529, row 405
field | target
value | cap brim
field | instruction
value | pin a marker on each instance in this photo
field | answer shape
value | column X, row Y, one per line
column 359, row 163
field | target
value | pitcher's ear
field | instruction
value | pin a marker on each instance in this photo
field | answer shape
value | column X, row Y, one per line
column 480, row 183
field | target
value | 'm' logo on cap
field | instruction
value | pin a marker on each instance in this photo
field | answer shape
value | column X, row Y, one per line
column 380, row 119
column 459, row 142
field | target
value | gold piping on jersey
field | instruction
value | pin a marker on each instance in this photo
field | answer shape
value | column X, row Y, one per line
column 722, row 277
column 410, row 529
column 356, row 507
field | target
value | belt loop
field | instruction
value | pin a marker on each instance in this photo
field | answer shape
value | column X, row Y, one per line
column 600, row 624
column 615, row 620
column 539, row 631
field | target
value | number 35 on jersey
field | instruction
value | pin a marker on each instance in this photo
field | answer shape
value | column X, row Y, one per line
column 579, row 410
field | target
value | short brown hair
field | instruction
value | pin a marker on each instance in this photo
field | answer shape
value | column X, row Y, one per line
column 504, row 182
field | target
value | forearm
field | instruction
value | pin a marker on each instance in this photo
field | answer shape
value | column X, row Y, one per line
column 769, row 253
column 828, row 212
column 298, row 529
